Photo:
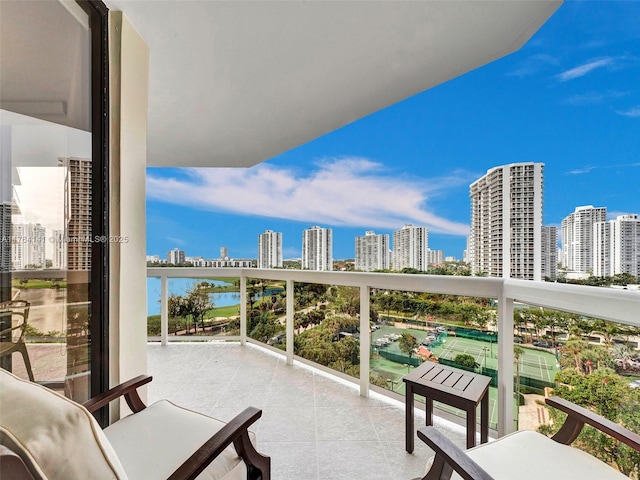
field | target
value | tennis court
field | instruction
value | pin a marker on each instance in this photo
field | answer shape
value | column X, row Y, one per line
column 536, row 364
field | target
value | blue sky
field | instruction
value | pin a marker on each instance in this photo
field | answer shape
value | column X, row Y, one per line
column 570, row 98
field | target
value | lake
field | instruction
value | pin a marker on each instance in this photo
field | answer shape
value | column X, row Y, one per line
column 180, row 286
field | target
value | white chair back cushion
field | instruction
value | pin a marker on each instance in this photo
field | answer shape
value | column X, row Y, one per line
column 55, row 437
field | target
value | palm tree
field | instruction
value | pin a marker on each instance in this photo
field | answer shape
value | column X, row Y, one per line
column 517, row 351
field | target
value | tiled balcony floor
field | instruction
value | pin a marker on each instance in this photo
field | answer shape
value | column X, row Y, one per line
column 313, row 427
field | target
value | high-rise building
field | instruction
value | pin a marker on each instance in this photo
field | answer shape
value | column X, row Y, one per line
column 577, row 237
column 411, row 248
column 176, row 256
column 549, row 257
column 59, row 259
column 372, row 252
column 616, row 246
column 436, row 257
column 270, row 249
column 28, row 249
column 317, row 249
column 602, row 243
column 224, row 253
column 5, row 237
column 626, row 245
column 506, row 221
column 77, row 212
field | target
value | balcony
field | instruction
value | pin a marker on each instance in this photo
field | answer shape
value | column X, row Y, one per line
column 314, row 426
column 608, row 304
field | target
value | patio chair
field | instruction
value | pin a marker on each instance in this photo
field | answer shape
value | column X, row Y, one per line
column 527, row 455
column 14, row 330
column 44, row 435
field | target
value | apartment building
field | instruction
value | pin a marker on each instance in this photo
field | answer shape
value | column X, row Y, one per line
column 270, row 249
column 436, row 257
column 578, row 238
column 176, row 256
column 317, row 249
column 28, row 246
column 549, row 256
column 616, row 246
column 411, row 248
column 372, row 252
column 506, row 222
column 77, row 212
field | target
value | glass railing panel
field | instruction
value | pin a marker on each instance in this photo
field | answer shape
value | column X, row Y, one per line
column 592, row 362
column 327, row 326
column 267, row 311
column 196, row 307
column 412, row 328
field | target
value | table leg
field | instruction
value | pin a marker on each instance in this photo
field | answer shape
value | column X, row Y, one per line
column 409, row 417
column 484, row 419
column 428, row 410
column 471, row 427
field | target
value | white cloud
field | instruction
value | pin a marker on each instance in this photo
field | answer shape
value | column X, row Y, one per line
column 354, row 192
column 532, row 65
column 589, row 169
column 631, row 112
column 582, row 70
column 592, row 98
column 615, row 214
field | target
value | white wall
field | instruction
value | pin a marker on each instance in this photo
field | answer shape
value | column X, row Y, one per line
column 129, row 79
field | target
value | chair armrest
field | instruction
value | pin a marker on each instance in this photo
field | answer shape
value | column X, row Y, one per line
column 236, row 432
column 448, row 457
column 128, row 389
column 578, row 416
column 11, row 466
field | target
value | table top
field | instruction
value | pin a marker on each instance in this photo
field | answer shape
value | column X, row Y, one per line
column 449, row 380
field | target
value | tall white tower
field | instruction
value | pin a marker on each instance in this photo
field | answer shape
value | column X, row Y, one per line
column 372, row 252
column 616, row 246
column 411, row 248
column 549, row 253
column 577, row 237
column 270, row 249
column 317, row 249
column 506, row 222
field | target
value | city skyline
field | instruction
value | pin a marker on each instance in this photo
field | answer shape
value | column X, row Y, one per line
column 555, row 101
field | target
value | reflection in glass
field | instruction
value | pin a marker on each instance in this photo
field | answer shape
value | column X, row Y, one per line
column 45, row 193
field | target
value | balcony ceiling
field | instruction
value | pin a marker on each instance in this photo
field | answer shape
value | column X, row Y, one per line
column 234, row 83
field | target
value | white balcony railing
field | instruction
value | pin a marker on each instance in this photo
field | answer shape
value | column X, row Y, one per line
column 609, row 304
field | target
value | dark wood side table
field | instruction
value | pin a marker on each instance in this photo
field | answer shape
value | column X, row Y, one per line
column 452, row 386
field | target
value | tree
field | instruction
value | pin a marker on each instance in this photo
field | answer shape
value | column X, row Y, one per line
column 407, row 343
column 607, row 394
column 517, row 352
column 466, row 361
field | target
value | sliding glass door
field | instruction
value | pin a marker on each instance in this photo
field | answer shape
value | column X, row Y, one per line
column 53, row 194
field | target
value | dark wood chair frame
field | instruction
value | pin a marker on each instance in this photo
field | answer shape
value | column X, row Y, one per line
column 19, row 308
column 236, row 432
column 449, row 457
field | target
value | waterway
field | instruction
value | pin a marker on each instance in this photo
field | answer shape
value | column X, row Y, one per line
column 179, row 286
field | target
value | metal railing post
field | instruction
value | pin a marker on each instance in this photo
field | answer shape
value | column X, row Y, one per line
column 365, row 341
column 505, row 366
column 289, row 326
column 243, row 310
column 164, row 310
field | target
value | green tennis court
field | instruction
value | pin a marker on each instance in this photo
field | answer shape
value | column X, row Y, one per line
column 533, row 363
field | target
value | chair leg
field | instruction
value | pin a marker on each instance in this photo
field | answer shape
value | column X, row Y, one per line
column 27, row 362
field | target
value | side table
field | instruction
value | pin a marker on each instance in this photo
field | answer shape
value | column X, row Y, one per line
column 452, row 386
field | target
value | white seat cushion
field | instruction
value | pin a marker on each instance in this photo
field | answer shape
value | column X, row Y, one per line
column 55, row 437
column 527, row 455
column 153, row 443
